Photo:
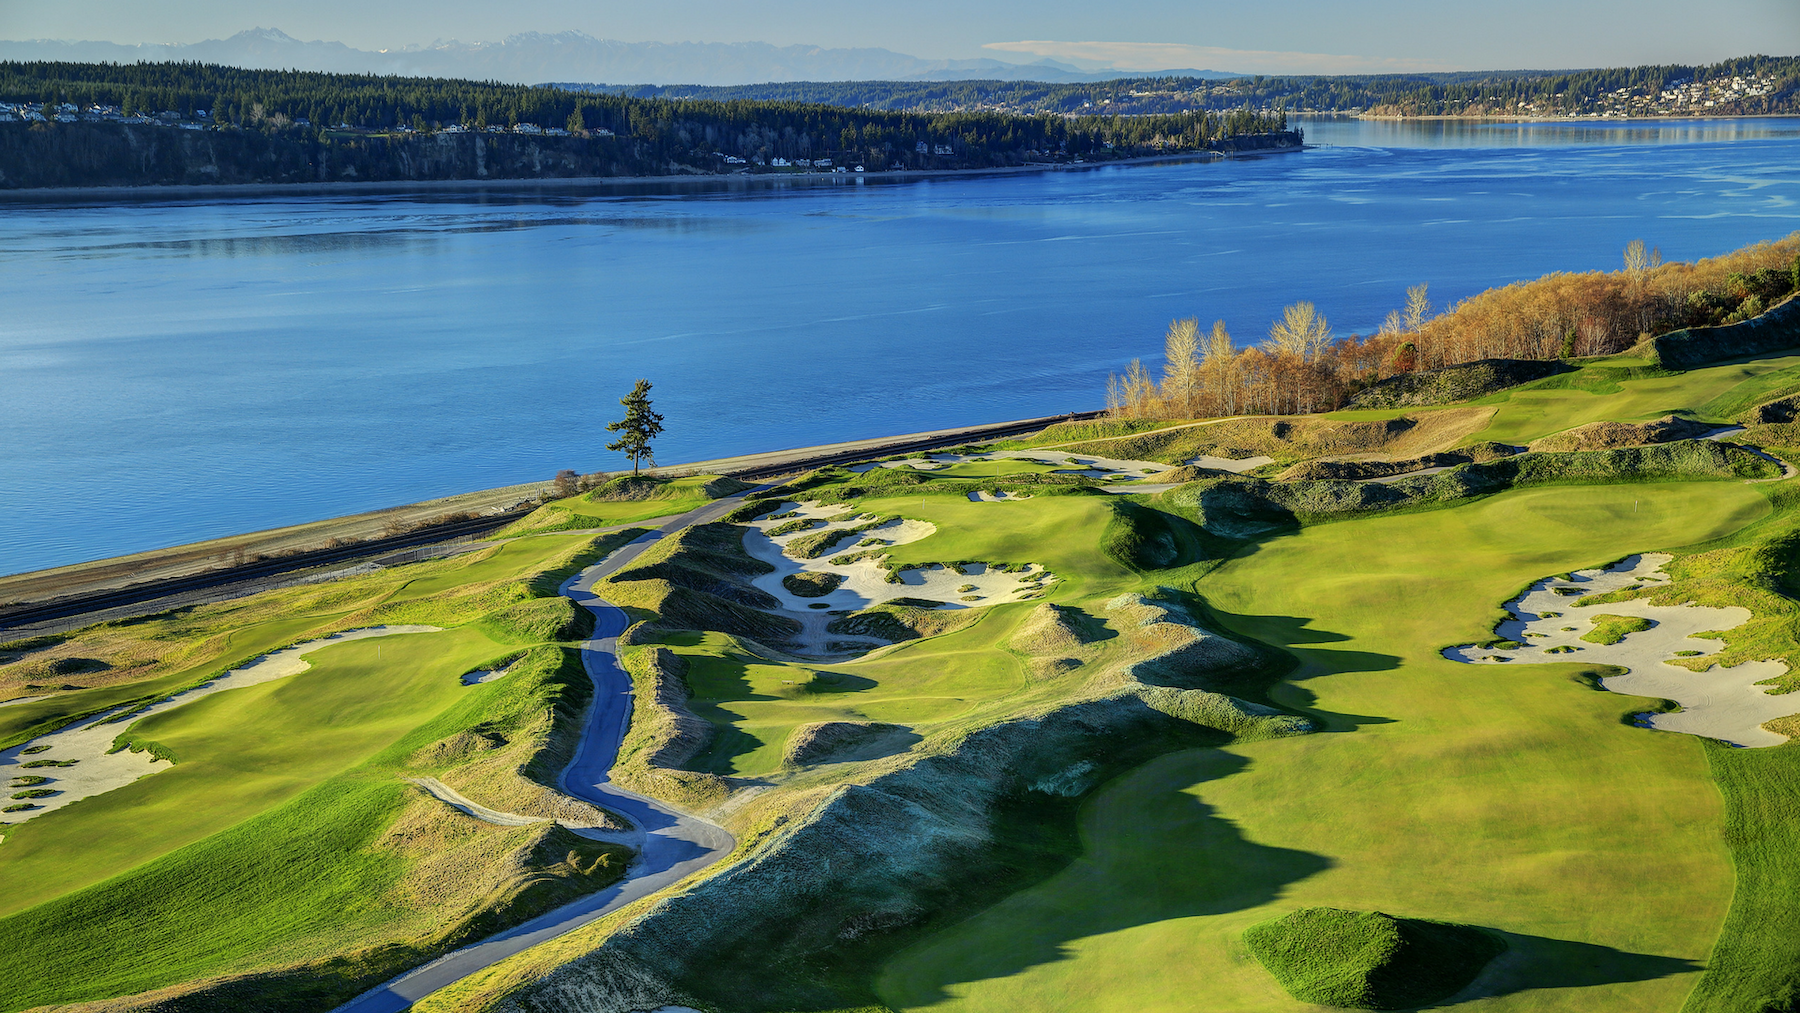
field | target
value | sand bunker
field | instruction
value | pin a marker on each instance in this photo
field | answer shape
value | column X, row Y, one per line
column 863, row 581
column 92, row 770
column 1720, row 703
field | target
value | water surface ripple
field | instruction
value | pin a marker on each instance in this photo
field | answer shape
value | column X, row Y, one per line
column 174, row 369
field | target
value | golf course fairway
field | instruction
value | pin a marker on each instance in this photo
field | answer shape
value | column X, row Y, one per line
column 1510, row 798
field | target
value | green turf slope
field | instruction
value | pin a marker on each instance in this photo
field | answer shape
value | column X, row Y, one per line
column 284, row 844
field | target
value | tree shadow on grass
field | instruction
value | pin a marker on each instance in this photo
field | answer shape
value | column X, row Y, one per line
column 1151, row 852
column 1281, row 635
column 1534, row 962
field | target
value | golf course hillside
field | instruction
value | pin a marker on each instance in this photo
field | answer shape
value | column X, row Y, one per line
column 1419, row 703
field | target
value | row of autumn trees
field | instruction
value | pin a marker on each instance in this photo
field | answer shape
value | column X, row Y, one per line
column 1303, row 367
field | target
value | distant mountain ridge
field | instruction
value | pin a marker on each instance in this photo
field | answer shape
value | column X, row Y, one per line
column 533, row 57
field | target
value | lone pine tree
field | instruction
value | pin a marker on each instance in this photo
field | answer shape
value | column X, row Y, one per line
column 639, row 426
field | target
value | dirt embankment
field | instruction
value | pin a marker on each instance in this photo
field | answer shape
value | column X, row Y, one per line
column 1454, row 384
column 1289, row 439
column 1359, row 471
column 665, row 734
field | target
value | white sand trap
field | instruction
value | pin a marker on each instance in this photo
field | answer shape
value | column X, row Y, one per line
column 97, row 771
column 482, row 675
column 998, row 497
column 1720, row 703
column 468, row 807
column 1227, row 464
column 865, row 581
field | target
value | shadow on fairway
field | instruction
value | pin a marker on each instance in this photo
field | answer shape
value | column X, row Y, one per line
column 1534, row 962
column 1285, row 633
column 1152, row 851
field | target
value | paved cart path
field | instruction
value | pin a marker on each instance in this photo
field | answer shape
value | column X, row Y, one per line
column 675, row 844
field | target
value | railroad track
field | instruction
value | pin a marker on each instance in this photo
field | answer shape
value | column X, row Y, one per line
column 908, row 446
column 80, row 604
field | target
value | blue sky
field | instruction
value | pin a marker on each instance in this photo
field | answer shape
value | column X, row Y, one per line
column 1271, row 36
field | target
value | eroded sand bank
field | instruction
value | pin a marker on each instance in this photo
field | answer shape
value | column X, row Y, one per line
column 861, row 580
column 1719, row 703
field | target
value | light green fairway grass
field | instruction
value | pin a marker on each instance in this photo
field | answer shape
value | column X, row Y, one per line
column 1512, row 798
column 18, row 721
column 1526, row 414
column 241, row 752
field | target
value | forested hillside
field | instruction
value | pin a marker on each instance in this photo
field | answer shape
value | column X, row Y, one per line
column 65, row 124
column 1754, row 85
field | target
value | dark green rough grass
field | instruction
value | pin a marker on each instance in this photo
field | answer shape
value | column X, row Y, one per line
column 538, row 621
column 1369, row 960
column 1755, row 966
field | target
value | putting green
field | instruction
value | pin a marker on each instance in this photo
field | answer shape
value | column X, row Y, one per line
column 1509, row 798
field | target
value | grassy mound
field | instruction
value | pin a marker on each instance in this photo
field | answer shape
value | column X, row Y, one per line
column 811, row 584
column 1146, row 539
column 896, row 622
column 1609, row 435
column 1296, row 438
column 1053, row 629
column 1779, row 410
column 820, row 740
column 1609, row 629
column 1367, row 959
column 1451, row 384
column 707, row 558
column 537, row 621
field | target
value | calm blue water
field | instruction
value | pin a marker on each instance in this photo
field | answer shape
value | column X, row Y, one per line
column 174, row 370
